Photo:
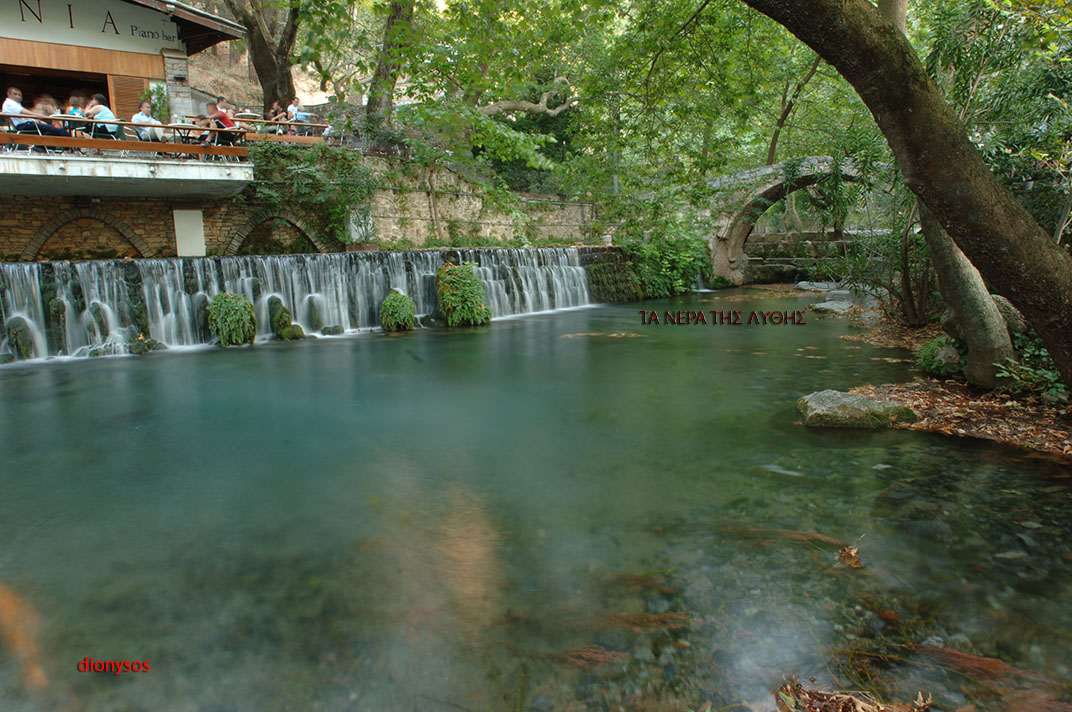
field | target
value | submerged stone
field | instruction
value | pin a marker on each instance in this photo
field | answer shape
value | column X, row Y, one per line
column 333, row 330
column 832, row 307
column 835, row 409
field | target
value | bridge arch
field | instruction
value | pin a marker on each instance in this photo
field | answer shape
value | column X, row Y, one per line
column 33, row 248
column 262, row 217
column 747, row 195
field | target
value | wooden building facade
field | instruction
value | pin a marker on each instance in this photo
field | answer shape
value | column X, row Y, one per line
column 118, row 48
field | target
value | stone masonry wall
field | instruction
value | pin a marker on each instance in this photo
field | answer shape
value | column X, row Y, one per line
column 404, row 212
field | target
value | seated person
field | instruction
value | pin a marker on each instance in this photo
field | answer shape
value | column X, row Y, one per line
column 204, row 122
column 278, row 115
column 148, row 128
column 13, row 105
column 98, row 110
column 221, row 120
column 74, row 108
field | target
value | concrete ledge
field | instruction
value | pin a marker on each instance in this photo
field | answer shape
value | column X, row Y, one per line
column 28, row 174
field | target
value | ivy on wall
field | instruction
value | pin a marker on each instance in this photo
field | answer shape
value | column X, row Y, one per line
column 325, row 182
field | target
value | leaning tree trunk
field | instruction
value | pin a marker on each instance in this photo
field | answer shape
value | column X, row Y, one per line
column 962, row 287
column 940, row 165
column 981, row 324
column 382, row 87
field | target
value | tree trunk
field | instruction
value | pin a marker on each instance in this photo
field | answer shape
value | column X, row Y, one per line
column 270, row 35
column 940, row 165
column 896, row 11
column 962, row 287
column 382, row 87
column 788, row 102
column 974, row 311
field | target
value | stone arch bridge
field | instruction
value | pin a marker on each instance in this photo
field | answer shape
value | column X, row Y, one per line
column 736, row 202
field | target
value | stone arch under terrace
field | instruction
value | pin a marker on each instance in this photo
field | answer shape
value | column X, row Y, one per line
column 742, row 197
column 264, row 216
column 85, row 228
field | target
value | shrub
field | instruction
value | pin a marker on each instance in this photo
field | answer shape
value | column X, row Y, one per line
column 927, row 360
column 230, row 317
column 396, row 312
column 669, row 254
column 461, row 295
column 1036, row 373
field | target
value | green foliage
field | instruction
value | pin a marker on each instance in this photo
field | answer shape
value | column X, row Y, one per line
column 157, row 95
column 396, row 312
column 669, row 252
column 720, row 282
column 1036, row 373
column 461, row 295
column 327, row 182
column 230, row 317
column 927, row 359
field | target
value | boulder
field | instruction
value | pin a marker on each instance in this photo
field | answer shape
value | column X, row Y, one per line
column 280, row 320
column 832, row 307
column 835, row 409
column 20, row 337
column 332, row 330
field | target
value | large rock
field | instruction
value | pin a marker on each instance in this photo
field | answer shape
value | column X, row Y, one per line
column 832, row 307
column 280, row 320
column 834, row 409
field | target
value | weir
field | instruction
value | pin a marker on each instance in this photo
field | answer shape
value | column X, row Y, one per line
column 99, row 308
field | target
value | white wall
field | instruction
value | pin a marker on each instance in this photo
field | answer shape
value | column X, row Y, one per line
column 105, row 24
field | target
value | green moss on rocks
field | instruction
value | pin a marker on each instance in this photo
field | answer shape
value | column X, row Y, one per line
column 20, row 338
column 231, row 318
column 461, row 295
column 396, row 312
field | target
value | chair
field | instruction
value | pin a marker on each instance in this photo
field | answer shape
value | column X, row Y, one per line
column 26, row 127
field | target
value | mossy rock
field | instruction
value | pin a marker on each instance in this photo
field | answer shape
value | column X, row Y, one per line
column 396, row 312
column 100, row 318
column 461, row 295
column 332, row 330
column 6, row 358
column 834, row 409
column 141, row 346
column 294, row 332
column 231, row 318
column 313, row 317
column 279, row 317
column 20, row 337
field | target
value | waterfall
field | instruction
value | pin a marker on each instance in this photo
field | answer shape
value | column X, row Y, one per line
column 97, row 308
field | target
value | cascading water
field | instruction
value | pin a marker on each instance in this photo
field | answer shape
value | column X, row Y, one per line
column 99, row 308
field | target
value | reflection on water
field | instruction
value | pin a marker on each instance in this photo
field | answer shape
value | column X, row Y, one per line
column 466, row 519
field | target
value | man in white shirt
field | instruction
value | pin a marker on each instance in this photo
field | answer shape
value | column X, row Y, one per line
column 13, row 105
column 144, row 116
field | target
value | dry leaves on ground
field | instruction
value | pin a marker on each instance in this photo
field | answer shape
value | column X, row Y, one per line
column 953, row 408
column 794, row 697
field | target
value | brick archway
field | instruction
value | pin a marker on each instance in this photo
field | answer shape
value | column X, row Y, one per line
column 263, row 216
column 33, row 248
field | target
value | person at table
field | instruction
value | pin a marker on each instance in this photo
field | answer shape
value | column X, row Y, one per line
column 146, row 127
column 98, row 110
column 220, row 120
column 75, row 106
column 277, row 115
column 32, row 123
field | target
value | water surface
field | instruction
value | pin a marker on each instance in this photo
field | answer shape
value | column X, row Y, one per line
column 435, row 520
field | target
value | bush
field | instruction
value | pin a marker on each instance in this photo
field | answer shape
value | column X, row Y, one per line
column 461, row 295
column 669, row 255
column 230, row 317
column 1036, row 373
column 928, row 361
column 396, row 312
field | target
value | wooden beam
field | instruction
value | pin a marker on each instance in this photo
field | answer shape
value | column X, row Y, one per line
column 47, row 55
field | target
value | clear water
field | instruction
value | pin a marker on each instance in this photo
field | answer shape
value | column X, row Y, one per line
column 422, row 521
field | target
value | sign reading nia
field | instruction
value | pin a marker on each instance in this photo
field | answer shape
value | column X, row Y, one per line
column 731, row 318
column 94, row 21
